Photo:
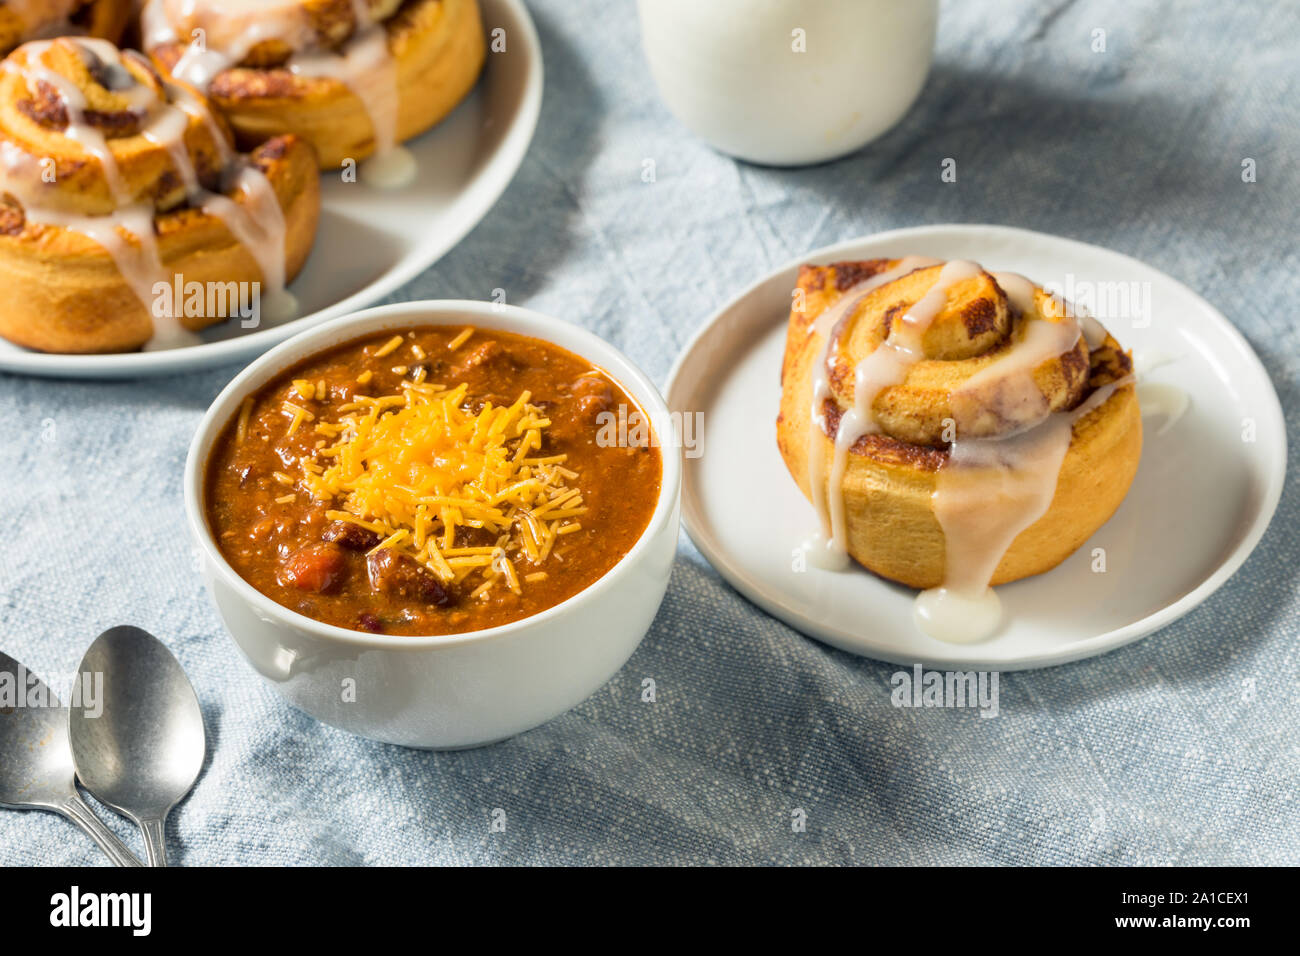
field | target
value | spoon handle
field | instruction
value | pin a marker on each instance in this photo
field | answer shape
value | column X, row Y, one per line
column 155, row 842
column 75, row 809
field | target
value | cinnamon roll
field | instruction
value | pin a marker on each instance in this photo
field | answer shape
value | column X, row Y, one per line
column 23, row 20
column 954, row 429
column 353, row 77
column 121, row 199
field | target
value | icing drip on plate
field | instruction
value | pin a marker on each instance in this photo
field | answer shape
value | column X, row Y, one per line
column 1167, row 401
column 1155, row 398
column 990, row 491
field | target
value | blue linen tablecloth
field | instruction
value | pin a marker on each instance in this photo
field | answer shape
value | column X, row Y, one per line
column 1179, row 749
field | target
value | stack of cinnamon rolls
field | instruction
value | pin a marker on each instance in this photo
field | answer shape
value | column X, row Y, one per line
column 125, row 175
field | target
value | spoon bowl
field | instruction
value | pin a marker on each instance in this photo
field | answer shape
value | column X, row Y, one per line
column 36, row 768
column 143, row 753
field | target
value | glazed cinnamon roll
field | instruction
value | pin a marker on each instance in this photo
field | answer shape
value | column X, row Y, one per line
column 23, row 20
column 954, row 429
column 122, row 199
column 353, row 77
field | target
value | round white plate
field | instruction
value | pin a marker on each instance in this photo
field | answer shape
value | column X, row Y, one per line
column 1204, row 493
column 371, row 241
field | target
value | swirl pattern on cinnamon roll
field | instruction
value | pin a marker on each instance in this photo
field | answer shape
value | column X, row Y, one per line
column 23, row 20
column 117, row 187
column 953, row 428
column 353, row 77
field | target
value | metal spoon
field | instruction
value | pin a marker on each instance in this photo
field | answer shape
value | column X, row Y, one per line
column 143, row 754
column 36, row 770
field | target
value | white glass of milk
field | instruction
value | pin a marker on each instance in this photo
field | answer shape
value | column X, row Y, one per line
column 789, row 82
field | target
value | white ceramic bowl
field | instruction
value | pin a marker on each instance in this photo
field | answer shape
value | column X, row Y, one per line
column 789, row 82
column 459, row 690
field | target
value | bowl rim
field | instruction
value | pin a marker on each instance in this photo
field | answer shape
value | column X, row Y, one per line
column 430, row 312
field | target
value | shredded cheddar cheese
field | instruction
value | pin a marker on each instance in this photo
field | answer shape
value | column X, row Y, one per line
column 415, row 467
column 388, row 347
column 245, row 411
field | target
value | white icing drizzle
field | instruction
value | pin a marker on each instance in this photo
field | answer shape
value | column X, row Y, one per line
column 155, row 28
column 366, row 67
column 258, row 224
column 1155, row 398
column 1004, row 396
column 1145, row 361
column 365, row 64
column 74, row 101
column 827, row 549
column 1022, row 293
column 392, row 169
column 990, row 491
column 1168, row 401
column 887, row 365
column 1093, row 331
column 957, row 617
column 987, row 493
column 991, row 488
